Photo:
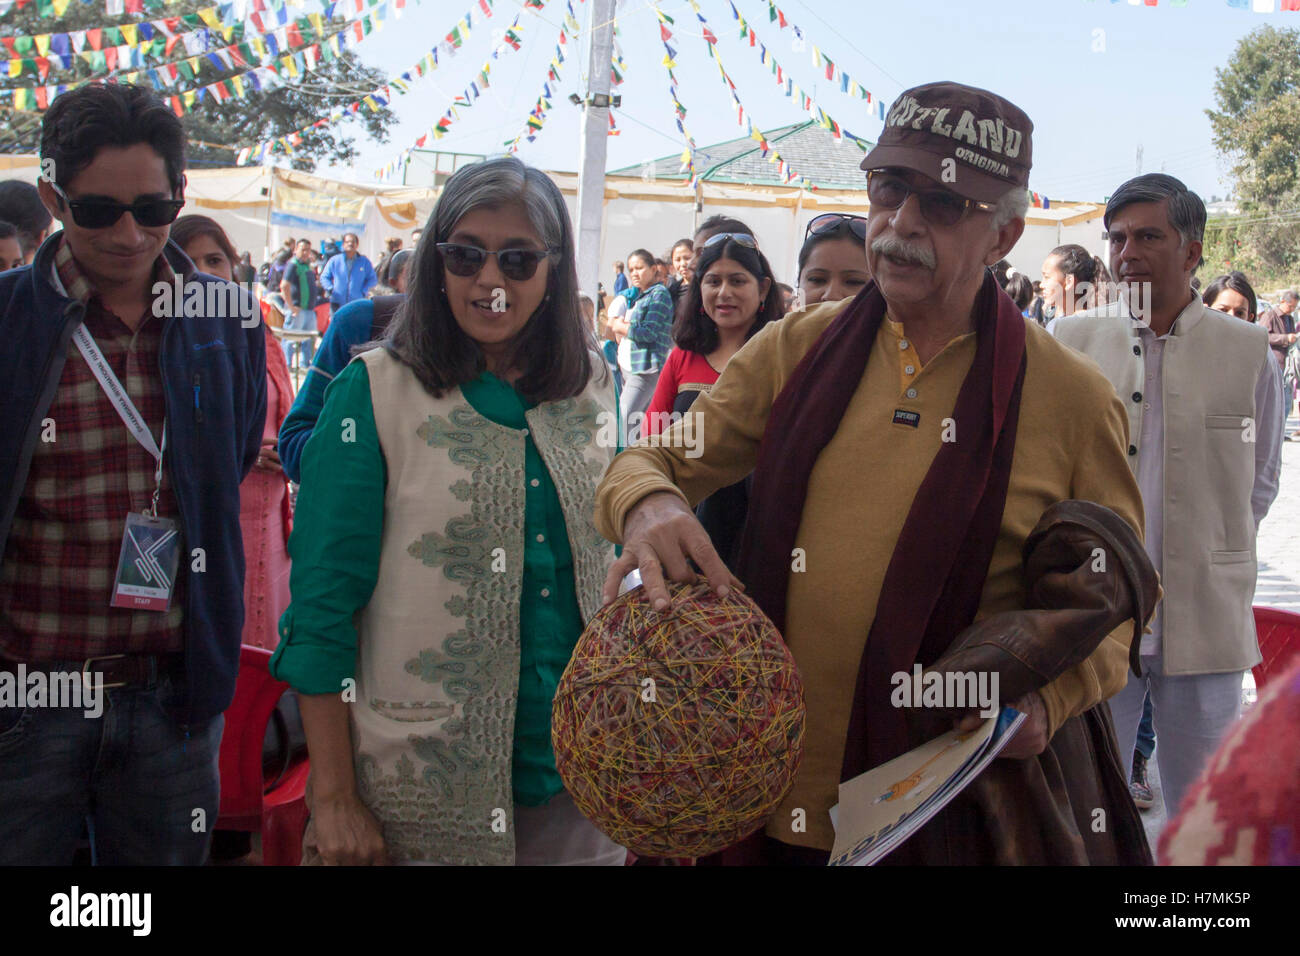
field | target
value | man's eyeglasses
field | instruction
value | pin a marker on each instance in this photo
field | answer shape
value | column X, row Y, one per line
column 833, row 221
column 517, row 264
column 102, row 213
column 739, row 238
column 940, row 207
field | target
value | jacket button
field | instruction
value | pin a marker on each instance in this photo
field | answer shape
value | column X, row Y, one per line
column 1132, row 449
column 1137, row 396
column 1137, row 350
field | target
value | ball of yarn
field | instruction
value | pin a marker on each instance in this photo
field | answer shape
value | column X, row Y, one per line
column 679, row 733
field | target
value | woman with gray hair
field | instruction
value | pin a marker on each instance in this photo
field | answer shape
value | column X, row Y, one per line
column 445, row 556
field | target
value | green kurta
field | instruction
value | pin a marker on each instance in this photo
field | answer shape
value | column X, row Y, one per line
column 335, row 548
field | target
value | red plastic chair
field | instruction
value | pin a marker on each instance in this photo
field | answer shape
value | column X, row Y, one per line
column 1279, row 641
column 280, row 815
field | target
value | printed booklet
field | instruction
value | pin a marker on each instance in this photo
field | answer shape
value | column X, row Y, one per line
column 881, row 808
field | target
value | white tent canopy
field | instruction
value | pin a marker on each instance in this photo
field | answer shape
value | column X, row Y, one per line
column 260, row 207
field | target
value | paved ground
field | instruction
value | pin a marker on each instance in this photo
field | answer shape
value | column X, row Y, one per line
column 1278, row 584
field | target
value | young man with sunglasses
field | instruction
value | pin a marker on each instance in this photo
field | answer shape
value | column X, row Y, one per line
column 915, row 448
column 126, row 435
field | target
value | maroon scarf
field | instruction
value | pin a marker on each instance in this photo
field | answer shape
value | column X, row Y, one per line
column 932, row 587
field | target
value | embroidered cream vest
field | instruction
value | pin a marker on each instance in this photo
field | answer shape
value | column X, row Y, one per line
column 438, row 655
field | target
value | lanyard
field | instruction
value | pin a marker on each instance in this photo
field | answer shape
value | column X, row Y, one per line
column 124, row 407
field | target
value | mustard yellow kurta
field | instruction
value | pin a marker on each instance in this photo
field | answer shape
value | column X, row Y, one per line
column 1071, row 443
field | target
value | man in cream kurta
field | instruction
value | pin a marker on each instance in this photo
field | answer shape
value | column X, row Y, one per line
column 1203, row 401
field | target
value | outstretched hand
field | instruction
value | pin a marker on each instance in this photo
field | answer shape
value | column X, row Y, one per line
column 661, row 536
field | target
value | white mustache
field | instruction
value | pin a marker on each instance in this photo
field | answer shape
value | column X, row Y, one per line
column 898, row 249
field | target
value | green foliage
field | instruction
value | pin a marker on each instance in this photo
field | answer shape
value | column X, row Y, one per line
column 1257, row 132
column 217, row 131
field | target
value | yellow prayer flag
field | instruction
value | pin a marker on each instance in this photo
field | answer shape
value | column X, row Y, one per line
column 210, row 16
column 61, row 7
column 130, row 33
column 16, row 69
column 42, row 44
column 188, row 98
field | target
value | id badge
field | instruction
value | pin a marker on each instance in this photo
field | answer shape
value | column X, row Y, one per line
column 146, row 567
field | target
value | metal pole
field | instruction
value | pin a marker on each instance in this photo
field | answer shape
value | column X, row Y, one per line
column 591, row 153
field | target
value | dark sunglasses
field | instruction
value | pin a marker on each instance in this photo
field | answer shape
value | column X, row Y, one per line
column 833, row 221
column 517, row 264
column 739, row 238
column 939, row 206
column 102, row 213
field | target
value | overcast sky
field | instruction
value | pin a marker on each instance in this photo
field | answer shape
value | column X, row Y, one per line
column 1099, row 79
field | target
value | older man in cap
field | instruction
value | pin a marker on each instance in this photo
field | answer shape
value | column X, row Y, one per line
column 936, row 481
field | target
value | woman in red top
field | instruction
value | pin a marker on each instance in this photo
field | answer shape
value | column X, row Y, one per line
column 733, row 296
column 264, row 510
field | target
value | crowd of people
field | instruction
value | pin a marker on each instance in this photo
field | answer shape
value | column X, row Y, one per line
column 946, row 444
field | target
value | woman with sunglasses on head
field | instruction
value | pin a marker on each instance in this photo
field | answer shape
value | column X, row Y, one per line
column 647, row 331
column 833, row 260
column 264, row 512
column 735, row 295
column 445, row 556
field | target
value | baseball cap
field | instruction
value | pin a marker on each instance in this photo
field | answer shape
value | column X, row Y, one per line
column 974, row 142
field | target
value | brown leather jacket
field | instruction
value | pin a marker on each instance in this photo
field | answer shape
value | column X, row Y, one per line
column 1071, row 803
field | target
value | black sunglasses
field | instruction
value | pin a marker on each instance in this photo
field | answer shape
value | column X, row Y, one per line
column 102, row 213
column 739, row 238
column 833, row 221
column 940, row 207
column 517, row 264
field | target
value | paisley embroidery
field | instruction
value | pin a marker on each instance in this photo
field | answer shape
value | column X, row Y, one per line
column 434, row 790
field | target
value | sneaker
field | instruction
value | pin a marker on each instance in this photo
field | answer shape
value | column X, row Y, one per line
column 1143, row 795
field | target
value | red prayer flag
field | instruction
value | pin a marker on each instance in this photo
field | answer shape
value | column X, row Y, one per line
column 664, row 34
column 483, row 5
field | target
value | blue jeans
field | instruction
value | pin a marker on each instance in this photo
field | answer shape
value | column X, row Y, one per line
column 147, row 788
column 1146, row 738
column 300, row 320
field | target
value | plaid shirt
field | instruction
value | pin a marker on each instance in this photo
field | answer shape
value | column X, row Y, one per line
column 57, row 577
column 650, row 327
